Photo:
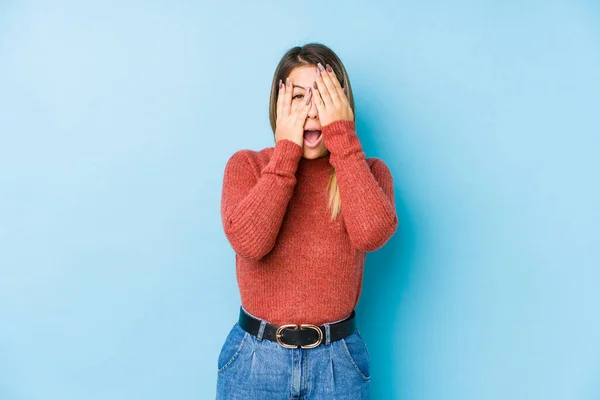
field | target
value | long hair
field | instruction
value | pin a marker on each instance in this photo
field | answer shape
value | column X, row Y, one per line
column 312, row 54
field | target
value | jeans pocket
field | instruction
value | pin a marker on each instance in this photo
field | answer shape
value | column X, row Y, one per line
column 357, row 353
column 232, row 347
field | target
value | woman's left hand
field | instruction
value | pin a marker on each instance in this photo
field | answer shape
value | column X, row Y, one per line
column 330, row 97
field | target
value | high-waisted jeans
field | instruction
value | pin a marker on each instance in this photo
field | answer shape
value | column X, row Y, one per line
column 251, row 368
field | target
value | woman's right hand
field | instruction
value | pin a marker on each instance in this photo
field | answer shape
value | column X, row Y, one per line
column 290, row 119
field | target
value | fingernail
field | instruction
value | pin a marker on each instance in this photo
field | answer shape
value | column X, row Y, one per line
column 320, row 66
column 280, row 84
column 329, row 68
column 318, row 72
column 287, row 82
column 315, row 85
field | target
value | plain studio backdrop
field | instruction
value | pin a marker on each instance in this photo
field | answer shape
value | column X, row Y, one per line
column 117, row 119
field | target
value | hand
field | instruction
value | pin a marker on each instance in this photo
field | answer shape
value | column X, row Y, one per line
column 332, row 102
column 290, row 123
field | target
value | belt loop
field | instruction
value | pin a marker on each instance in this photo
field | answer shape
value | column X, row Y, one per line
column 327, row 333
column 261, row 330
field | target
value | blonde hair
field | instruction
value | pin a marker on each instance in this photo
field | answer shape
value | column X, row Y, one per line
column 312, row 54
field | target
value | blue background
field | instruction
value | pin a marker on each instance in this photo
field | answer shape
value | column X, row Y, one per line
column 117, row 118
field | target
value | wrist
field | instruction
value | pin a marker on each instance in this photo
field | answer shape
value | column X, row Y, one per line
column 338, row 126
column 340, row 137
column 285, row 157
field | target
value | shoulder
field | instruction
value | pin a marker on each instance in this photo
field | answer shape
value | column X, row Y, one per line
column 249, row 158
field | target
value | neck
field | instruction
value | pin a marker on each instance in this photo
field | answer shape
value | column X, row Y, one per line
column 322, row 159
column 316, row 164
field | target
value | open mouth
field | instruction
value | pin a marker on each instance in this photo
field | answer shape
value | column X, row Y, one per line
column 312, row 138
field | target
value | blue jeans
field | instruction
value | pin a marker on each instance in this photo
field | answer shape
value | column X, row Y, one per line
column 251, row 368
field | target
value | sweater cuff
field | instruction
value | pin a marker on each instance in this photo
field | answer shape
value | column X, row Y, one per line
column 285, row 158
column 340, row 138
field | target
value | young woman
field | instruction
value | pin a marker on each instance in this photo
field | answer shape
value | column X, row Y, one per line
column 301, row 217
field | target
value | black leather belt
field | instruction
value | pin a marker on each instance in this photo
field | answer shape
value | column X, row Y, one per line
column 305, row 336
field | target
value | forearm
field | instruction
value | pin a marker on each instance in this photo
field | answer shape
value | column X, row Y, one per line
column 367, row 205
column 253, row 223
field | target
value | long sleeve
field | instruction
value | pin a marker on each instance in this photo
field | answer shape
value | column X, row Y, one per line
column 252, row 208
column 367, row 194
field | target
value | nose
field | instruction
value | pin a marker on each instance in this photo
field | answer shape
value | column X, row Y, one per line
column 313, row 112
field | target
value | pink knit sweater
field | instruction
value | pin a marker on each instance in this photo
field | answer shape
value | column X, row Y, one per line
column 293, row 263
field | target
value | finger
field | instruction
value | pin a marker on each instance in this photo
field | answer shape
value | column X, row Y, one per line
column 322, row 88
column 333, row 93
column 280, row 97
column 307, row 104
column 308, row 96
column 287, row 97
column 336, row 83
column 302, row 110
column 318, row 100
column 296, row 107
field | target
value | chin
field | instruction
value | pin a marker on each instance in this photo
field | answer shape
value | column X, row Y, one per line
column 311, row 154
